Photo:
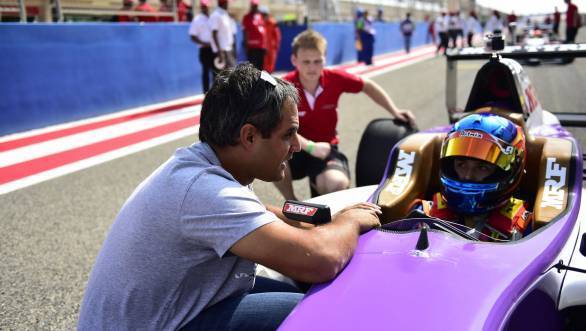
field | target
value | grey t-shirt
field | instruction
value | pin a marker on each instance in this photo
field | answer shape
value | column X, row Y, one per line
column 167, row 256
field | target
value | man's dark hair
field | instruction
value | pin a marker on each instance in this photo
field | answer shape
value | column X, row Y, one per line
column 238, row 96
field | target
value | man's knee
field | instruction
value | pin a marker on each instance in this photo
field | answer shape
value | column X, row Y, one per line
column 332, row 181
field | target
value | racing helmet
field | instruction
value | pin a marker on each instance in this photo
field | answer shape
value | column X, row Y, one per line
column 489, row 138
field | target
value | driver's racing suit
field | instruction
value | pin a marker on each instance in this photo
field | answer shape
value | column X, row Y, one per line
column 509, row 222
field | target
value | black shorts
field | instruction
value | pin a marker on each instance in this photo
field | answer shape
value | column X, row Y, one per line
column 304, row 165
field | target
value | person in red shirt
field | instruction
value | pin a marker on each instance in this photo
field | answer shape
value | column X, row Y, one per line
column 253, row 26
column 556, row 21
column 184, row 13
column 272, row 40
column 319, row 91
column 573, row 22
column 143, row 6
column 126, row 6
column 165, row 8
column 512, row 26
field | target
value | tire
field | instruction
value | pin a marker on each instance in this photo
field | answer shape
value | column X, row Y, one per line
column 377, row 141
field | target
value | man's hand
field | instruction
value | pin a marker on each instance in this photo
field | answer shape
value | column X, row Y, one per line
column 366, row 214
column 406, row 116
column 222, row 56
column 314, row 254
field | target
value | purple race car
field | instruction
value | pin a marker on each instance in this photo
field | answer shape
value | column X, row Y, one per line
column 405, row 276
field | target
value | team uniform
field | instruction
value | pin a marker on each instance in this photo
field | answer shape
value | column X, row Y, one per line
column 272, row 44
column 146, row 8
column 221, row 22
column 441, row 26
column 407, row 28
column 573, row 22
column 253, row 25
column 318, row 117
column 200, row 28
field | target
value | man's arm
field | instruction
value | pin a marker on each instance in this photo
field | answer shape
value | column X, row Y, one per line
column 198, row 41
column 215, row 39
column 279, row 213
column 381, row 98
column 321, row 150
column 312, row 255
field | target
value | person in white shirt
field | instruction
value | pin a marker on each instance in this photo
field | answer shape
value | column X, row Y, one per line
column 200, row 33
column 452, row 30
column 494, row 24
column 223, row 35
column 471, row 27
column 460, row 28
column 441, row 27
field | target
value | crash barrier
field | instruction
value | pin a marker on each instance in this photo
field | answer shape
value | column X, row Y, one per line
column 56, row 73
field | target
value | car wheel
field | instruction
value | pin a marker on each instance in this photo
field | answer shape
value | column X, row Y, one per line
column 375, row 145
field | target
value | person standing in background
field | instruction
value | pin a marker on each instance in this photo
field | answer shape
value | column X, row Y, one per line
column 471, row 26
column 460, row 28
column 126, row 6
column 165, row 8
column 200, row 33
column 441, row 24
column 512, row 26
column 272, row 39
column 573, row 22
column 452, row 30
column 494, row 24
column 407, row 27
column 366, row 32
column 556, row 21
column 144, row 7
column 234, row 26
column 430, row 36
column 253, row 28
column 223, row 35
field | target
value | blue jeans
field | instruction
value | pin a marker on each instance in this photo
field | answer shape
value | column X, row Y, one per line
column 264, row 308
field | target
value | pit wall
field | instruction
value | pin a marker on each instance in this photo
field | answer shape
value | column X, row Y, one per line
column 57, row 73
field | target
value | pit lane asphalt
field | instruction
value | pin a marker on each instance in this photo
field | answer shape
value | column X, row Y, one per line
column 51, row 232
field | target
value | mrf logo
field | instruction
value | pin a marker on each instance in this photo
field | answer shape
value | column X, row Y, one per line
column 299, row 209
column 555, row 179
column 402, row 173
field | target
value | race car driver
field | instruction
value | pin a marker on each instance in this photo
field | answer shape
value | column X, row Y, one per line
column 319, row 91
column 481, row 164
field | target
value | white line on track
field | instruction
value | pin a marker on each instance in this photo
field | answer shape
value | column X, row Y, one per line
column 69, row 142
column 96, row 160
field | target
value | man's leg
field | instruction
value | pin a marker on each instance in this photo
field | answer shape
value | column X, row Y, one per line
column 206, row 58
column 256, row 57
column 257, row 311
column 335, row 176
column 331, row 180
column 263, row 308
column 571, row 35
